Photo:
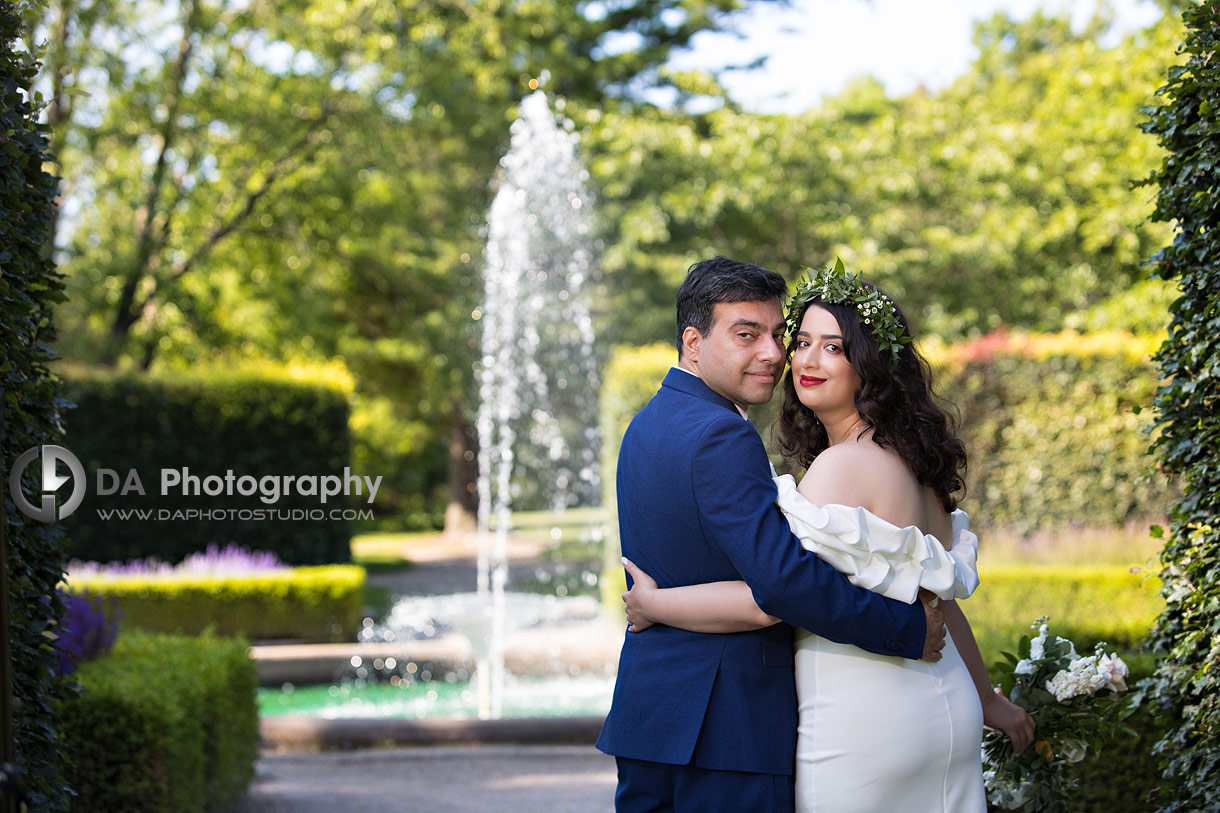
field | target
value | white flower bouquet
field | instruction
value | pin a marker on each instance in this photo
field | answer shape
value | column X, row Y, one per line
column 1076, row 703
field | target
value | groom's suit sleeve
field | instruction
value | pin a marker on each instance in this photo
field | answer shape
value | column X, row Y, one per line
column 736, row 501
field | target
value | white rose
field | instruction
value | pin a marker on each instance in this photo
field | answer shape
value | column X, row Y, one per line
column 1115, row 672
column 1062, row 686
column 1082, row 677
column 1024, row 667
column 1036, row 652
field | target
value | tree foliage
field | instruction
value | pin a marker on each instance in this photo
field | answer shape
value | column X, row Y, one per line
column 1004, row 199
column 1188, row 127
column 29, row 417
column 309, row 178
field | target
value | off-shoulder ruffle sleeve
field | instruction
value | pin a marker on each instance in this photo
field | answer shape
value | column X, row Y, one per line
column 878, row 555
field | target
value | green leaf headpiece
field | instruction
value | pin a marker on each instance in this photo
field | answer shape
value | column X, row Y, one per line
column 835, row 285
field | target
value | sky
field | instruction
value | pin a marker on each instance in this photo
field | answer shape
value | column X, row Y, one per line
column 815, row 46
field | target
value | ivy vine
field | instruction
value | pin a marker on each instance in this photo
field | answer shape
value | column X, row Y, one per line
column 29, row 288
column 1187, row 125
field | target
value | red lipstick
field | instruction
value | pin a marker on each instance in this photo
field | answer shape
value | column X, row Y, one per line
column 811, row 381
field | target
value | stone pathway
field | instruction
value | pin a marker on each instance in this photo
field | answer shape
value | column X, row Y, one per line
column 540, row 779
column 442, row 565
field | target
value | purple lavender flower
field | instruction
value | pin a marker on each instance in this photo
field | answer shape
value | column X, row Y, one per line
column 87, row 630
column 232, row 559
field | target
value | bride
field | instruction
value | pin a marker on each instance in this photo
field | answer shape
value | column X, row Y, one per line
column 878, row 502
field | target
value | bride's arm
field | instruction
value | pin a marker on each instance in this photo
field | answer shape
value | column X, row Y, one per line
column 998, row 711
column 712, row 607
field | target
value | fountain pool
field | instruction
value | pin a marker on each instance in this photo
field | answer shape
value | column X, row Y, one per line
column 545, row 696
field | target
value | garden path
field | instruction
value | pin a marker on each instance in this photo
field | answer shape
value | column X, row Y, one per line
column 538, row 778
column 449, row 564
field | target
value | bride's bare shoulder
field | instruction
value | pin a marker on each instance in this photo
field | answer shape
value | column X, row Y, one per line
column 855, row 473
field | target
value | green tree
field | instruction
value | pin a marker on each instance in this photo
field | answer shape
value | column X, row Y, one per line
column 32, row 551
column 1188, row 678
column 1004, row 199
column 675, row 187
column 309, row 178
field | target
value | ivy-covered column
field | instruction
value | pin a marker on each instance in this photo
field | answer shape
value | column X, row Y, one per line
column 29, row 288
column 1188, row 407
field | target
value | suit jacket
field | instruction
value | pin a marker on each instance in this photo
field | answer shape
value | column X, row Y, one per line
column 697, row 504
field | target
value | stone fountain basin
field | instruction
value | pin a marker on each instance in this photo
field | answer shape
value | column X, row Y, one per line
column 582, row 646
column 567, row 648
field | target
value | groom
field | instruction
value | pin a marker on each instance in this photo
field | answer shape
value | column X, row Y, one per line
column 703, row 722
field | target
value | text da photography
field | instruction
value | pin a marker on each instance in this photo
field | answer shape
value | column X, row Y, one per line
column 269, row 488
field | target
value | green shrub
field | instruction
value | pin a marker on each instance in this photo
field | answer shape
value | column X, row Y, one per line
column 305, row 603
column 252, row 423
column 1050, row 423
column 32, row 551
column 1052, row 431
column 163, row 724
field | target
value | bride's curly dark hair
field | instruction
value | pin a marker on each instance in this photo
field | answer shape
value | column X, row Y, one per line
column 896, row 402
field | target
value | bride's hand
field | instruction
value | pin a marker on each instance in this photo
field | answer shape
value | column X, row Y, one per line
column 637, row 597
column 1003, row 714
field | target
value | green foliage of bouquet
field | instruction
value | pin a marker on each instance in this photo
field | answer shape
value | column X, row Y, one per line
column 1062, row 691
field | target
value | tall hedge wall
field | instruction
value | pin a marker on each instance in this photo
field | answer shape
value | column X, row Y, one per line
column 1050, row 422
column 209, row 423
column 33, row 555
column 1054, row 431
column 1188, row 407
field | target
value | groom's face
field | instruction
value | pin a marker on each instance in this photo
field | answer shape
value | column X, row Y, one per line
column 742, row 356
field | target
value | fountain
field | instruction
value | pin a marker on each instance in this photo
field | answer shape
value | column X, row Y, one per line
column 537, row 378
column 538, row 449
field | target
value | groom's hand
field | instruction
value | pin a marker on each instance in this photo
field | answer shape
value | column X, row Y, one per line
column 934, row 642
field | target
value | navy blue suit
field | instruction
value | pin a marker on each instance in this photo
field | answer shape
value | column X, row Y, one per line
column 697, row 504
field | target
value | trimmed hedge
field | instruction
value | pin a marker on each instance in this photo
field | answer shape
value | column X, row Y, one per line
column 305, row 603
column 163, row 723
column 1050, row 422
column 253, row 424
column 1053, row 430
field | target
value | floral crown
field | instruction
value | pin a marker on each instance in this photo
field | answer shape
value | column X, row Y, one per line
column 834, row 284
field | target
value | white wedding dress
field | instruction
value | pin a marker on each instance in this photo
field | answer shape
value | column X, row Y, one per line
column 880, row 733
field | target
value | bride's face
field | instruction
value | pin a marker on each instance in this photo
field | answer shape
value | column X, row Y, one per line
column 824, row 379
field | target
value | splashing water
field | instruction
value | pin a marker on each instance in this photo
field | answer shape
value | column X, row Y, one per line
column 537, row 377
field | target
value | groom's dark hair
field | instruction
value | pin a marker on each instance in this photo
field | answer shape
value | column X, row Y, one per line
column 722, row 280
